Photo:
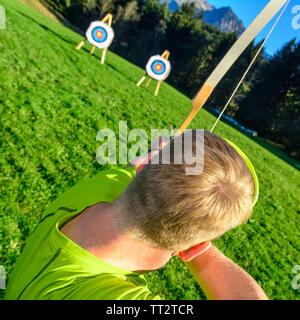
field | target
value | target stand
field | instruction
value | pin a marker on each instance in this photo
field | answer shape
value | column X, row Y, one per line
column 100, row 35
column 157, row 68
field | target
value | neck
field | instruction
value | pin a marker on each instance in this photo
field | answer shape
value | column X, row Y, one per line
column 97, row 231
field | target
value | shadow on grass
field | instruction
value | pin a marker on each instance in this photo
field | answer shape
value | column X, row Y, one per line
column 124, row 74
column 273, row 149
column 46, row 28
column 277, row 152
column 60, row 18
column 74, row 44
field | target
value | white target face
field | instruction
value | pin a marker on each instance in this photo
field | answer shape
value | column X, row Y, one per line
column 99, row 34
column 158, row 68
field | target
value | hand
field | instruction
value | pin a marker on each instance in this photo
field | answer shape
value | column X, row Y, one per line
column 191, row 253
column 141, row 161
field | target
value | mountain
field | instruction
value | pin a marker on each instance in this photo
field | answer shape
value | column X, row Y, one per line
column 199, row 4
column 223, row 18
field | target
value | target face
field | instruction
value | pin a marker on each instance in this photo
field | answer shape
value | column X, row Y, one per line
column 158, row 68
column 100, row 34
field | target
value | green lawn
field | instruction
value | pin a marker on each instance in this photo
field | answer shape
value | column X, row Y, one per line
column 54, row 99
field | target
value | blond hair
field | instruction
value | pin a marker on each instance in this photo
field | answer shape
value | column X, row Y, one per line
column 175, row 211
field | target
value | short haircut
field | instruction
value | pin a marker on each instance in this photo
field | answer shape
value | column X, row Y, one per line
column 174, row 211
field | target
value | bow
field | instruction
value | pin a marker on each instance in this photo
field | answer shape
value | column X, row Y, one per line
column 232, row 55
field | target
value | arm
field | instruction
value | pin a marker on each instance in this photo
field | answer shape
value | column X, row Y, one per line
column 222, row 279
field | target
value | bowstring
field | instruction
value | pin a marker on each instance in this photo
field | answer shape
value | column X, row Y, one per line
column 250, row 66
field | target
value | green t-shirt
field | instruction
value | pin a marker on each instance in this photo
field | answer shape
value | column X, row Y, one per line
column 52, row 266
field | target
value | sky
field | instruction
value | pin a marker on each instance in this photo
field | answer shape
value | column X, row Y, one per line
column 247, row 10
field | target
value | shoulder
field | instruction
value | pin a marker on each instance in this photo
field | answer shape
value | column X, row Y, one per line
column 106, row 184
column 112, row 287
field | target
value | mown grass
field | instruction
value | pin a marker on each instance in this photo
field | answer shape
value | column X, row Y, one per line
column 54, row 99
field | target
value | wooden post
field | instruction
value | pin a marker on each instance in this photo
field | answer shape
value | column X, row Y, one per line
column 148, row 82
column 92, row 50
column 103, row 55
column 166, row 55
column 141, row 81
column 157, row 87
column 80, row 45
column 107, row 19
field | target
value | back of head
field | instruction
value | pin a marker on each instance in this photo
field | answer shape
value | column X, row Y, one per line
column 172, row 210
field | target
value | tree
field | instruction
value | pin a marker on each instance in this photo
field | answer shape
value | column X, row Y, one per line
column 272, row 106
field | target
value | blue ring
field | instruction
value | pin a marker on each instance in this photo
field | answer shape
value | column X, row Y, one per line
column 154, row 63
column 95, row 30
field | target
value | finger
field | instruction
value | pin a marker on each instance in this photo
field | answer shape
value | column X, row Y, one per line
column 159, row 143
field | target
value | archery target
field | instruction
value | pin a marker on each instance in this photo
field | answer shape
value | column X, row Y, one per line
column 158, row 68
column 99, row 34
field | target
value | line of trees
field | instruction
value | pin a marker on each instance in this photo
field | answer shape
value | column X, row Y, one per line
column 272, row 105
column 267, row 102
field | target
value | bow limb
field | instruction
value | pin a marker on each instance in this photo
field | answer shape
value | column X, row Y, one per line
column 232, row 55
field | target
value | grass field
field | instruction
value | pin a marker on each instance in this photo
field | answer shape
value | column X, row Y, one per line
column 54, row 99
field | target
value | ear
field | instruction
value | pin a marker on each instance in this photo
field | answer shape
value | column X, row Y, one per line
column 191, row 253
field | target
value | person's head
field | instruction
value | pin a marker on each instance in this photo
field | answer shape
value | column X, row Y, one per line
column 174, row 211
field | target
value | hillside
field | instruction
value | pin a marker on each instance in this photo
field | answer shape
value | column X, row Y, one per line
column 54, row 99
